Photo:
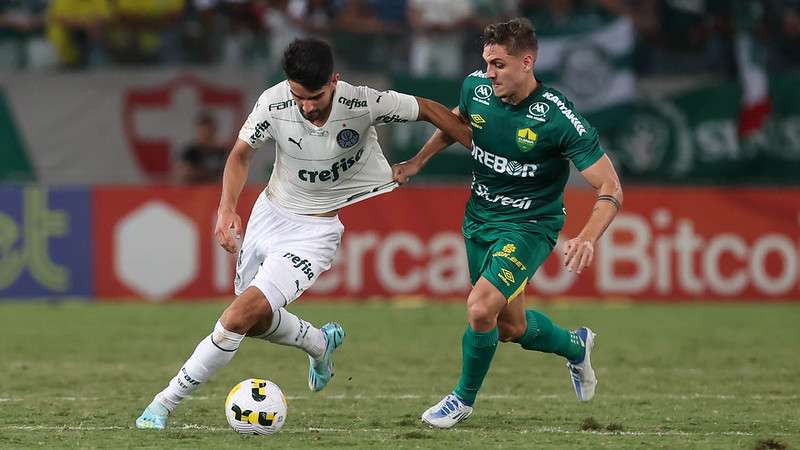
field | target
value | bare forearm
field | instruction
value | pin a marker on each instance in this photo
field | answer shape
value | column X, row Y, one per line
column 441, row 139
column 234, row 177
column 609, row 201
column 446, row 121
column 603, row 177
column 438, row 142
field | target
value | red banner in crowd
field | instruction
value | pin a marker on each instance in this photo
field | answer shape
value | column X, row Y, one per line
column 667, row 244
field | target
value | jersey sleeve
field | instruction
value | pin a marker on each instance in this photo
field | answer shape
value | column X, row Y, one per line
column 257, row 129
column 580, row 142
column 391, row 107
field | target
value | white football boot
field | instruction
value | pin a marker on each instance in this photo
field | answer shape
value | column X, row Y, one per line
column 583, row 378
column 448, row 412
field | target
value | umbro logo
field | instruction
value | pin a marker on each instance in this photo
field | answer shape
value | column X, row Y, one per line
column 477, row 121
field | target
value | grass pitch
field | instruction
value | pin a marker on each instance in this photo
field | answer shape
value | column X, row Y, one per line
column 686, row 376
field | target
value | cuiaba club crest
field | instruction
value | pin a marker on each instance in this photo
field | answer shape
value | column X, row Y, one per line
column 347, row 138
column 526, row 139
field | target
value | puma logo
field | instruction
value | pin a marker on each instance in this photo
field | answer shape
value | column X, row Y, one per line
column 297, row 143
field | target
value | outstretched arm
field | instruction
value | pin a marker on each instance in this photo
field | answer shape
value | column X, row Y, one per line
column 603, row 177
column 440, row 140
column 233, row 180
column 448, row 122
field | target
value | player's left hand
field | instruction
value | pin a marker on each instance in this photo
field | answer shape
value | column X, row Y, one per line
column 403, row 171
column 579, row 253
column 228, row 230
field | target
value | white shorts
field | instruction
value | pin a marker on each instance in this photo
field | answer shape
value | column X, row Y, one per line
column 283, row 253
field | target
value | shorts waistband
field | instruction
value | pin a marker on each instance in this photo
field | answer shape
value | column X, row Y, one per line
column 298, row 217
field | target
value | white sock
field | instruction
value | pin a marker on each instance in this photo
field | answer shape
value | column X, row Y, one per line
column 211, row 354
column 288, row 329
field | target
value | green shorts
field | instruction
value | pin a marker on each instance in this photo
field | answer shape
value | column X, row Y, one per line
column 504, row 254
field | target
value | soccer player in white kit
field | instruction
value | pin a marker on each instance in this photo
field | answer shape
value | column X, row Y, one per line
column 327, row 157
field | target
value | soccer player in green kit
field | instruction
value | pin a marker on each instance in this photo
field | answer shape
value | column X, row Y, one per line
column 524, row 134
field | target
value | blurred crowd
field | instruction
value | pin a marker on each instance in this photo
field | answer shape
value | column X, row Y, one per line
column 421, row 37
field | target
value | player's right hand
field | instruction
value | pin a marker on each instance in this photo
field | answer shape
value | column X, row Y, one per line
column 228, row 230
column 403, row 171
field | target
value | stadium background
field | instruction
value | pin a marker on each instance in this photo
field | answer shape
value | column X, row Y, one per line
column 696, row 102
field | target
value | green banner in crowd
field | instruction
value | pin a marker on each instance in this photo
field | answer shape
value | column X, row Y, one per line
column 15, row 165
column 690, row 138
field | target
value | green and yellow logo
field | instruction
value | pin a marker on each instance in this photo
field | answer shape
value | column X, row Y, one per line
column 526, row 139
column 476, row 121
column 506, row 252
column 506, row 276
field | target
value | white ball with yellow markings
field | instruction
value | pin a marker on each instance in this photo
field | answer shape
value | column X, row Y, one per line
column 256, row 406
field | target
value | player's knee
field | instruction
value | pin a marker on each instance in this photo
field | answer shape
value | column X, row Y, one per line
column 246, row 312
column 482, row 311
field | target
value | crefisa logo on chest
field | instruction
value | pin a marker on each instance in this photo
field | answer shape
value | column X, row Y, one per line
column 334, row 173
column 346, row 138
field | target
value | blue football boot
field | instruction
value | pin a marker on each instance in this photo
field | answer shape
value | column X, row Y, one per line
column 320, row 371
column 154, row 417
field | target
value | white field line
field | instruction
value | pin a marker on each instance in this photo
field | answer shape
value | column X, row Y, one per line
column 537, row 430
column 687, row 396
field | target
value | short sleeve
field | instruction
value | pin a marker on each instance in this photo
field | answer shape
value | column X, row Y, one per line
column 391, row 107
column 580, row 142
column 256, row 129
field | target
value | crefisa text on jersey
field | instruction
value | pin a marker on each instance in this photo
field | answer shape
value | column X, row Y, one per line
column 351, row 103
column 333, row 173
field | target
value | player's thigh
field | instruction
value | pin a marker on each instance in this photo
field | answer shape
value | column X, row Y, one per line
column 262, row 226
column 477, row 256
column 295, row 261
column 513, row 258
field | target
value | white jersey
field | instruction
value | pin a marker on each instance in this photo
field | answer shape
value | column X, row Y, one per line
column 320, row 169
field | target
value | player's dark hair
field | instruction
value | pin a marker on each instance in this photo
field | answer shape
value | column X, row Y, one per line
column 516, row 35
column 308, row 61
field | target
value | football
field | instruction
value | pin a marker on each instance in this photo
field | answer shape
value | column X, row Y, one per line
column 256, row 406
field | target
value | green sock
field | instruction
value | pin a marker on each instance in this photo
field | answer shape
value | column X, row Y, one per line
column 477, row 351
column 545, row 336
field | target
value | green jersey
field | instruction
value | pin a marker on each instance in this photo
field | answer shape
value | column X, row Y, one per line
column 521, row 154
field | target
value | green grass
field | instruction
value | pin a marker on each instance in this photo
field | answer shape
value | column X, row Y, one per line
column 691, row 376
